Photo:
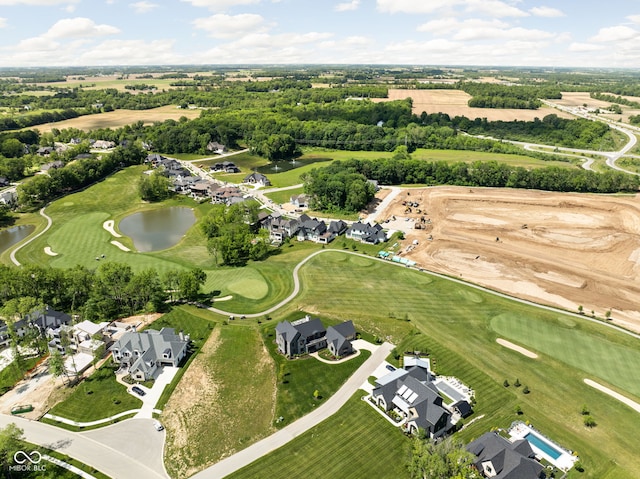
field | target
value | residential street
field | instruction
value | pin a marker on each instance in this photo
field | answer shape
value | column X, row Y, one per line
column 85, row 448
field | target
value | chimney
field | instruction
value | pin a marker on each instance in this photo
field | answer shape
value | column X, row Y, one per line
column 181, row 334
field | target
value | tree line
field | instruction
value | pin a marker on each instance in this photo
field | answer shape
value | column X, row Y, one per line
column 394, row 171
column 489, row 95
column 110, row 291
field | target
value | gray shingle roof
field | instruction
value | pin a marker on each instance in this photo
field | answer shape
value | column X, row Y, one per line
column 509, row 460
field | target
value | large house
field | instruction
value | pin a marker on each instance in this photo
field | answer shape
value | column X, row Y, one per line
column 498, row 458
column 366, row 233
column 312, row 229
column 280, row 228
column 216, row 147
column 257, row 179
column 143, row 353
column 412, row 393
column 308, row 335
column 339, row 339
column 225, row 166
column 41, row 320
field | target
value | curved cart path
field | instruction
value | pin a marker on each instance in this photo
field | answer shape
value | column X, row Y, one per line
column 33, row 238
column 296, row 290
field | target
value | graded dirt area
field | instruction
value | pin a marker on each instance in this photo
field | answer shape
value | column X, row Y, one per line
column 455, row 103
column 562, row 249
column 119, row 118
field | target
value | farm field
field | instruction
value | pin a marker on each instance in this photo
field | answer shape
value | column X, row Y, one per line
column 454, row 103
column 563, row 249
column 118, row 118
column 575, row 99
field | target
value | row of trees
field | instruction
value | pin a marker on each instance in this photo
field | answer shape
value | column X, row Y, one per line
column 489, row 95
column 231, row 234
column 111, row 290
column 395, row 171
column 43, row 188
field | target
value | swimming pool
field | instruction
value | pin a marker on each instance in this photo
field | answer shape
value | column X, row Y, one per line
column 543, row 445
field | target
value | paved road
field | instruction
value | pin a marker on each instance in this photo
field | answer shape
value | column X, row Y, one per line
column 295, row 429
column 83, row 447
column 19, row 247
column 395, row 191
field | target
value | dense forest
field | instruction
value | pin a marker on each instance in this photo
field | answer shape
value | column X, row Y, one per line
column 489, row 95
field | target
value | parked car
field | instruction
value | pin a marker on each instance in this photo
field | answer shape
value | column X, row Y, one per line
column 390, row 368
column 158, row 426
column 138, row 391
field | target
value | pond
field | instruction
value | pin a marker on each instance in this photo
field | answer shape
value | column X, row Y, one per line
column 156, row 230
column 11, row 236
column 281, row 166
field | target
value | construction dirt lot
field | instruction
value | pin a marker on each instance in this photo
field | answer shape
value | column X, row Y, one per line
column 561, row 249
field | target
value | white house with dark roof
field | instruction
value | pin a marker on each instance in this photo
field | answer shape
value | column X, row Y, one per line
column 366, row 233
column 142, row 354
column 308, row 335
column 498, row 458
column 257, row 179
column 411, row 393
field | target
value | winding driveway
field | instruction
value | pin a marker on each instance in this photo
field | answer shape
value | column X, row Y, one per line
column 33, row 238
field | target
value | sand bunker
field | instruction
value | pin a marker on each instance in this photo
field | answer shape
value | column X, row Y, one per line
column 224, row 298
column 47, row 250
column 108, row 225
column 515, row 347
column 613, row 394
column 120, row 245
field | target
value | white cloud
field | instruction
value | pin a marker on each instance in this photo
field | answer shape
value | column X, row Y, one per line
column 494, row 8
column 44, row 3
column 584, row 47
column 357, row 40
column 413, row 6
column 475, row 29
column 3, row 22
column 143, row 7
column 546, row 12
column 447, row 25
column 634, row 18
column 132, row 52
column 229, row 26
column 79, row 27
column 343, row 7
column 614, row 34
column 219, row 5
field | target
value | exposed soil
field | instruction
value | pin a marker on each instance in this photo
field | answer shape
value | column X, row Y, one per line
column 455, row 103
column 562, row 249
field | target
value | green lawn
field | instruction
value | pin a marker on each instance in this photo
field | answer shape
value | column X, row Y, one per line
column 282, row 197
column 457, row 322
column 354, row 443
column 10, row 375
column 97, row 397
column 305, row 375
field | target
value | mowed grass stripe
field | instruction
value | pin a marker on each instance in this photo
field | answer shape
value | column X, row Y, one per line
column 615, row 363
column 354, row 443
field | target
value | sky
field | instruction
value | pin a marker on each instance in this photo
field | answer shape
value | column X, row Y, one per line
column 553, row 33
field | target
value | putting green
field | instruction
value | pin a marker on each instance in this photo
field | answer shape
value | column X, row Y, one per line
column 615, row 363
column 252, row 288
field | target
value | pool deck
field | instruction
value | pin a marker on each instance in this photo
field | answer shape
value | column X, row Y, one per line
column 519, row 430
